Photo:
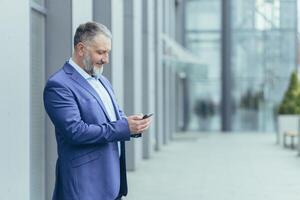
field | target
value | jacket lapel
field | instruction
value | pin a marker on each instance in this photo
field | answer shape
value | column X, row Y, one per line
column 111, row 94
column 85, row 85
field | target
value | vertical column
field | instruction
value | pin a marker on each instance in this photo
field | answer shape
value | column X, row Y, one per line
column 226, row 66
column 110, row 13
column 59, row 31
column 179, row 35
column 37, row 114
column 172, row 104
column 169, row 15
column 172, row 101
column 166, row 76
column 15, row 99
column 180, row 21
column 169, row 74
column 148, row 74
column 102, row 13
column 171, row 71
column 81, row 13
column 180, row 101
column 158, row 75
column 133, row 73
column 117, row 55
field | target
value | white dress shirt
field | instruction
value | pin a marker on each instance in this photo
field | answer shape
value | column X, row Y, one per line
column 101, row 91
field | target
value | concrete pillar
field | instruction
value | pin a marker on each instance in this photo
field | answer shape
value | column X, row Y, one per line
column 172, row 102
column 59, row 21
column 148, row 74
column 15, row 100
column 226, row 67
column 81, row 13
column 37, row 114
column 172, row 83
column 133, row 73
column 180, row 101
column 180, row 21
column 169, row 13
column 165, row 74
column 159, row 117
column 110, row 13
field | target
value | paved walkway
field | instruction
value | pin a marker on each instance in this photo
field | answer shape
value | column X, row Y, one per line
column 218, row 167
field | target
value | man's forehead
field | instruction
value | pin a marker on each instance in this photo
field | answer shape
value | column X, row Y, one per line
column 101, row 42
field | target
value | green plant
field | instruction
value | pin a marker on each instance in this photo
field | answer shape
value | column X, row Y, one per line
column 251, row 99
column 204, row 108
column 291, row 100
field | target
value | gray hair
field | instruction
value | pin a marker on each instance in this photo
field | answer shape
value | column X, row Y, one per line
column 86, row 32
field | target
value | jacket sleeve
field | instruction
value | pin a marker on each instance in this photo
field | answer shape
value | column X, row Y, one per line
column 122, row 114
column 63, row 111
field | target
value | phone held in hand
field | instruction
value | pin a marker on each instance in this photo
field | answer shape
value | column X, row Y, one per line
column 137, row 135
column 147, row 116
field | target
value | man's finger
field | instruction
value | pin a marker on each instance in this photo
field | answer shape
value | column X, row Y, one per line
column 142, row 130
column 144, row 127
column 137, row 117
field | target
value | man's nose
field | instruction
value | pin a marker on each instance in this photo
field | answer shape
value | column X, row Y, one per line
column 105, row 58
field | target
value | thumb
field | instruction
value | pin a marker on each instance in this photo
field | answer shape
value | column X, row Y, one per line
column 138, row 116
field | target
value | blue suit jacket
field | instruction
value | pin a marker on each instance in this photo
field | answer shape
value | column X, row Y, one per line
column 88, row 166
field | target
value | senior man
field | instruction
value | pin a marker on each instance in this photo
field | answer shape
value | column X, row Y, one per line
column 90, row 128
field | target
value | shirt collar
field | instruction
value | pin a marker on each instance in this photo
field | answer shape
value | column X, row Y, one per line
column 83, row 73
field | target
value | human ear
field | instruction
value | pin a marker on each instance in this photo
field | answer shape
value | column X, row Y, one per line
column 80, row 47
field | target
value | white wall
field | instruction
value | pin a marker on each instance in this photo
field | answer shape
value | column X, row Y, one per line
column 14, row 101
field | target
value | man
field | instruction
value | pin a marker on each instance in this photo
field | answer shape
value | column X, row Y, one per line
column 90, row 128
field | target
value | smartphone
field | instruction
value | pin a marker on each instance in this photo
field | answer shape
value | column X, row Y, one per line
column 137, row 135
column 147, row 116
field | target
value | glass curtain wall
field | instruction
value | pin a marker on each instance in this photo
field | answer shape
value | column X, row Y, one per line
column 263, row 56
column 203, row 39
column 263, row 45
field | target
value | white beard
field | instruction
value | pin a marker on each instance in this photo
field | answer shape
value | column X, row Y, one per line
column 90, row 68
column 97, row 71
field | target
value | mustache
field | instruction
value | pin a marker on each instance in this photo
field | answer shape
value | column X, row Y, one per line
column 100, row 62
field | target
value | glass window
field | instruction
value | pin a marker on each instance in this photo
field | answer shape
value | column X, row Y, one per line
column 203, row 39
column 263, row 41
column 263, row 56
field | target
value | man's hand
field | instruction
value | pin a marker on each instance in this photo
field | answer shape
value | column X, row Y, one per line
column 137, row 124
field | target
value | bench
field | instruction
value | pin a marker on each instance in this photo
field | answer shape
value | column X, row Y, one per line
column 292, row 135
